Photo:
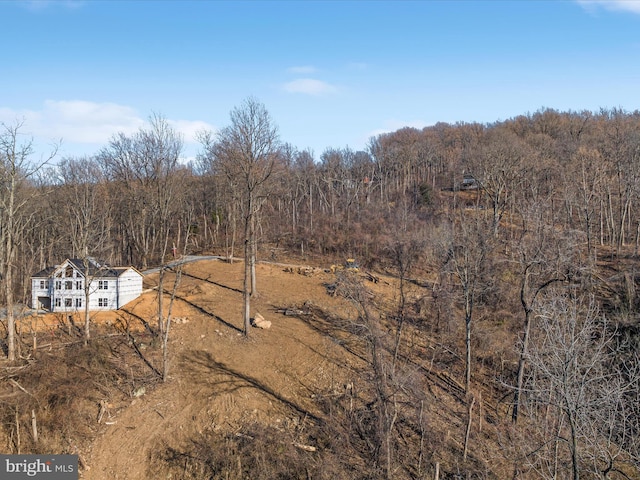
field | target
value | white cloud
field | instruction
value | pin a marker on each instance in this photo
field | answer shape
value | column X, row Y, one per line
column 86, row 123
column 301, row 70
column 75, row 120
column 309, row 86
column 189, row 128
column 617, row 5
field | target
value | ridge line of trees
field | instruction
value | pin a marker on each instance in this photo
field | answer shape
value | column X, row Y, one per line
column 546, row 236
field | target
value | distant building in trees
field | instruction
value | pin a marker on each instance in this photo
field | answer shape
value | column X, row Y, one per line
column 62, row 288
column 469, row 182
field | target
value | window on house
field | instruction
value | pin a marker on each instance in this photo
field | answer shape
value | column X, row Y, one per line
column 78, row 302
column 68, row 285
column 69, row 272
column 103, row 285
column 42, row 284
column 103, row 302
column 58, row 284
column 78, row 285
column 58, row 302
column 67, row 302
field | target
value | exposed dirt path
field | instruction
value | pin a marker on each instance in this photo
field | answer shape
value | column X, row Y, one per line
column 218, row 378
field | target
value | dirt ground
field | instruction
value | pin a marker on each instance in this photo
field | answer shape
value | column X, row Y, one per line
column 218, row 378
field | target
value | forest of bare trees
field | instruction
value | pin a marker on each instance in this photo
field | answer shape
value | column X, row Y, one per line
column 545, row 240
column 577, row 169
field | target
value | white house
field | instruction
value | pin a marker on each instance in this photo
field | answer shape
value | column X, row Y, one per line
column 62, row 288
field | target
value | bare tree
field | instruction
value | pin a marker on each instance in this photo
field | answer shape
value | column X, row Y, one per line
column 368, row 326
column 226, row 190
column 405, row 251
column 166, row 322
column 498, row 170
column 577, row 389
column 146, row 166
column 246, row 152
column 619, row 145
column 142, row 169
column 16, row 168
column 466, row 252
column 587, row 181
column 544, row 257
column 87, row 218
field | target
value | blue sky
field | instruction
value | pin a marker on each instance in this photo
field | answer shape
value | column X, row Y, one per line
column 331, row 73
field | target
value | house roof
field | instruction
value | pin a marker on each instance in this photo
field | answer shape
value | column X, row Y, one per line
column 94, row 269
column 122, row 270
column 46, row 273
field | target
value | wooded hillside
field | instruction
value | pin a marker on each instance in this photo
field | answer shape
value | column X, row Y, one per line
column 525, row 233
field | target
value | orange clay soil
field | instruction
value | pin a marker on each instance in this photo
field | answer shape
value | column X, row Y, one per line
column 219, row 379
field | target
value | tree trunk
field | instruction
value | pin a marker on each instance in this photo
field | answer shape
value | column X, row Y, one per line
column 160, row 301
column 468, row 311
column 11, row 323
column 87, row 293
column 247, row 275
column 468, row 430
column 252, row 257
column 574, row 449
column 167, row 326
column 521, row 365
column 467, row 382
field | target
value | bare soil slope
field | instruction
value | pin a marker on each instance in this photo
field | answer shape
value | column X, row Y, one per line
column 219, row 379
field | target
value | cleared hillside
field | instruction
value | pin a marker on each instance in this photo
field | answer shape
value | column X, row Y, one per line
column 336, row 388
